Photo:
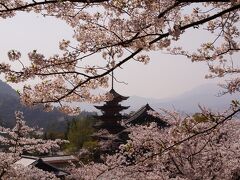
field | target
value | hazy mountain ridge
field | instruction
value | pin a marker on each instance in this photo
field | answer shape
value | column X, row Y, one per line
column 10, row 102
column 205, row 95
column 7, row 90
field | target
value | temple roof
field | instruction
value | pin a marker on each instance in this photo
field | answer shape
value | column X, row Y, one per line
column 41, row 164
column 117, row 96
column 142, row 116
column 106, row 107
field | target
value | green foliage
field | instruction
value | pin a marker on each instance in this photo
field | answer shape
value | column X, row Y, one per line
column 54, row 135
column 198, row 117
column 79, row 134
column 90, row 145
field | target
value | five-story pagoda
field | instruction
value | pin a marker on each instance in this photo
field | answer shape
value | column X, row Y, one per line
column 111, row 115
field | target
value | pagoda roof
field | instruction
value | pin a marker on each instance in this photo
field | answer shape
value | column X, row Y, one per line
column 106, row 107
column 117, row 96
column 142, row 116
column 112, row 118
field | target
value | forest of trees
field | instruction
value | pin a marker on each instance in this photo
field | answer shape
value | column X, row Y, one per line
column 203, row 146
column 79, row 134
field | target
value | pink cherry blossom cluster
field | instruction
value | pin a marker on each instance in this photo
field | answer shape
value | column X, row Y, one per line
column 21, row 139
column 202, row 146
column 118, row 31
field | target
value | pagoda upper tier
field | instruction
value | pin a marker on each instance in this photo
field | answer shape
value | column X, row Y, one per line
column 117, row 96
column 111, row 116
column 113, row 106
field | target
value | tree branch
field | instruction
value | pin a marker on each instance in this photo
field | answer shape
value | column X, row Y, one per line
column 199, row 133
column 20, row 8
column 180, row 142
column 140, row 49
column 201, row 1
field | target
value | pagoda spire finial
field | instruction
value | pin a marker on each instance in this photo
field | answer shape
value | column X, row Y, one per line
column 112, row 79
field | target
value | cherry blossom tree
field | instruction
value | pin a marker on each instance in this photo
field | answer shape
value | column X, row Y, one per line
column 19, row 140
column 204, row 146
column 118, row 31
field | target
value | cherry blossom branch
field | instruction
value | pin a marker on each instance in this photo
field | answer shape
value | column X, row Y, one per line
column 165, row 149
column 193, row 24
column 169, row 9
column 233, row 8
column 201, row 1
column 23, row 7
column 95, row 77
column 199, row 133
column 162, row 14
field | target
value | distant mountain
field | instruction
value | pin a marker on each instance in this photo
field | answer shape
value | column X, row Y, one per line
column 9, row 103
column 207, row 95
column 5, row 89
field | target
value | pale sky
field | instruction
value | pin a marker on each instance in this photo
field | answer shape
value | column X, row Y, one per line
column 165, row 76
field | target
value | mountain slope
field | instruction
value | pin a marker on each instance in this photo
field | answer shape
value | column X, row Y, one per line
column 5, row 89
column 9, row 103
column 208, row 95
column 205, row 95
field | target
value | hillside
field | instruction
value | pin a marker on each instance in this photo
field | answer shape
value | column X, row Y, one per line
column 9, row 103
column 205, row 95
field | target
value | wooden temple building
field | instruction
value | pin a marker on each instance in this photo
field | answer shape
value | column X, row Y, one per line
column 108, row 124
column 111, row 133
column 142, row 117
column 111, row 113
column 42, row 164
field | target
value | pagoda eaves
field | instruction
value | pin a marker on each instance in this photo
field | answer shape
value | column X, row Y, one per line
column 117, row 96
